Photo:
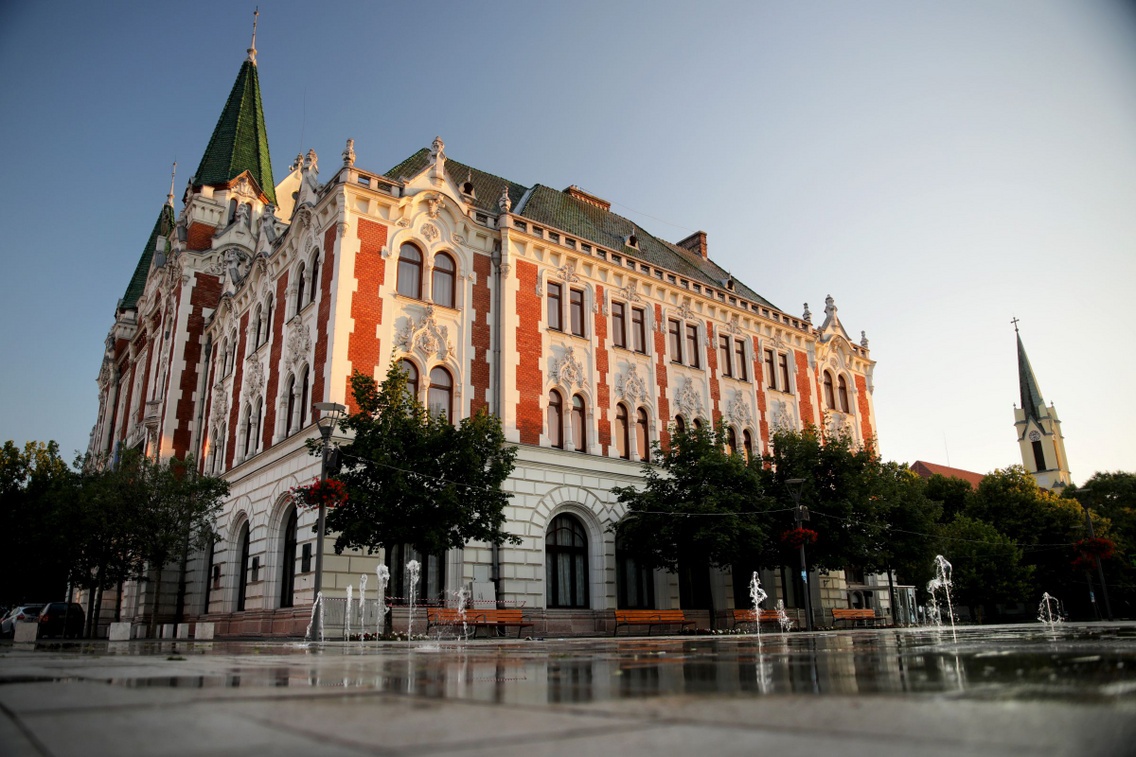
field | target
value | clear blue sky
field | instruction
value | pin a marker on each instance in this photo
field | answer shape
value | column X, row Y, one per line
column 937, row 167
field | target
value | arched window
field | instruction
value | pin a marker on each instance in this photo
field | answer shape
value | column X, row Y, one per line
column 635, row 584
column 442, row 280
column 829, row 397
column 313, row 286
column 258, row 327
column 242, row 573
column 731, row 441
column 440, row 400
column 410, row 272
column 289, row 419
column 288, row 559
column 411, row 372
column 249, row 434
column 253, row 429
column 579, row 428
column 556, row 419
column 215, row 442
column 842, row 394
column 680, row 425
column 232, row 210
column 301, row 284
column 268, row 318
column 303, row 399
column 641, row 437
column 248, row 214
column 622, row 434
column 747, row 444
column 566, row 562
column 697, row 424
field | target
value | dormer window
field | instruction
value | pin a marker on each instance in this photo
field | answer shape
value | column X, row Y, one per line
column 632, row 241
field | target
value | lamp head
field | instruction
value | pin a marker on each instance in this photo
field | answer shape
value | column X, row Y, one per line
column 330, row 414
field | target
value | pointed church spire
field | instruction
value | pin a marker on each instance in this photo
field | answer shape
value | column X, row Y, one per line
column 1031, row 395
column 173, row 177
column 240, row 140
column 252, row 48
column 137, row 285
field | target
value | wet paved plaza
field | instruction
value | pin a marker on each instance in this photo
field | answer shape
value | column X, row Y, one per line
column 990, row 690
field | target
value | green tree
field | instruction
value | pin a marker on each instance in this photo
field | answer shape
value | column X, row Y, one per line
column 842, row 490
column 415, row 478
column 986, row 565
column 951, row 493
column 1111, row 496
column 912, row 523
column 37, row 536
column 698, row 506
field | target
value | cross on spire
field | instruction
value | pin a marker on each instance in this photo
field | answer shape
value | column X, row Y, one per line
column 173, row 176
column 1014, row 321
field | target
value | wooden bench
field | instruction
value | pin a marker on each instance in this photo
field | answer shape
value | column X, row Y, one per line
column 743, row 617
column 498, row 620
column 650, row 618
column 853, row 615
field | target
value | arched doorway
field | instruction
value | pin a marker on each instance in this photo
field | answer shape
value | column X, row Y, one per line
column 242, row 573
column 288, row 559
column 566, row 562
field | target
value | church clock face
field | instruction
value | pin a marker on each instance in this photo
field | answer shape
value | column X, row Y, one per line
column 1034, row 436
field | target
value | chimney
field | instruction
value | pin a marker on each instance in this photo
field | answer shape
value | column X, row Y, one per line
column 579, row 194
column 696, row 242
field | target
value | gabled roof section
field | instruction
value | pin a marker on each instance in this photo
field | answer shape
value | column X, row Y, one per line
column 926, row 470
column 1027, row 384
column 162, row 228
column 586, row 220
column 591, row 222
column 240, row 140
column 486, row 187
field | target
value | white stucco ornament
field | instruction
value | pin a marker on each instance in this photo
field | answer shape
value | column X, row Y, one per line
column 630, row 385
column 782, row 417
column 738, row 410
column 254, row 376
column 684, row 312
column 567, row 371
column 430, row 232
column 689, row 399
column 220, row 403
column 299, row 341
column 426, row 336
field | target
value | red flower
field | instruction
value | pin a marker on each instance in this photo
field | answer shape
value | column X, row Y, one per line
column 328, row 492
column 1091, row 550
column 796, row 537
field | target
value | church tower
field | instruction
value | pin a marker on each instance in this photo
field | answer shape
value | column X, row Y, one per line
column 1039, row 429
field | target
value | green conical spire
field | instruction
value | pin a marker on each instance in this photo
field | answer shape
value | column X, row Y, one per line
column 1031, row 395
column 162, row 228
column 240, row 141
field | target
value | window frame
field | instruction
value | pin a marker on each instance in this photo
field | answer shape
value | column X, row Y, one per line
column 555, row 417
column 451, row 273
column 623, row 431
column 449, row 390
column 675, row 336
column 579, row 423
column 726, row 359
column 643, row 434
column 555, row 296
column 411, row 267
column 618, row 325
column 692, row 344
column 639, row 330
column 740, row 354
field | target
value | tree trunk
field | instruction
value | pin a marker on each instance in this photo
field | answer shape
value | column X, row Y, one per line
column 157, row 603
column 90, row 610
column 182, row 570
column 98, row 613
column 118, row 603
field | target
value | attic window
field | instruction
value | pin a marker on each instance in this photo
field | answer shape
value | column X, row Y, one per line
column 616, row 258
column 671, row 278
column 586, row 248
column 633, row 241
column 698, row 287
column 730, row 283
column 685, row 284
column 553, row 236
column 538, row 231
column 467, row 188
column 482, row 218
column 658, row 274
column 520, row 225
column 364, row 181
column 571, row 243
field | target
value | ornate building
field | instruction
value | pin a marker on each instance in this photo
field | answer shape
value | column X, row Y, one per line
column 1039, row 429
column 586, row 334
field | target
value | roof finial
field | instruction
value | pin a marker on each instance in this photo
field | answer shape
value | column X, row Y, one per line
column 1014, row 321
column 252, row 48
column 173, row 176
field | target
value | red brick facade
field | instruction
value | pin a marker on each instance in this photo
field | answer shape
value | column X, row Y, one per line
column 663, row 379
column 804, row 389
column 279, row 307
column 867, row 433
column 480, row 333
column 323, row 319
column 603, row 367
column 364, row 350
column 530, row 378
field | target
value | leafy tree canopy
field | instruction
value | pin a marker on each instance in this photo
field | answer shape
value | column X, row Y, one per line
column 415, row 478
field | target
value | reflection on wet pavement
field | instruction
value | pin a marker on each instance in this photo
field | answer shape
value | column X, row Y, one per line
column 1073, row 663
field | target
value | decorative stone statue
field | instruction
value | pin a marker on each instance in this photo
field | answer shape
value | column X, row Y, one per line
column 349, row 154
column 504, row 203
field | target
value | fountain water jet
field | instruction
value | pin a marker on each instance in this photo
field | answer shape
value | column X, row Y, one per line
column 412, row 572
column 382, row 578
column 757, row 595
column 317, row 606
column 362, row 606
column 942, row 580
column 1045, row 611
column 347, row 616
column 783, row 617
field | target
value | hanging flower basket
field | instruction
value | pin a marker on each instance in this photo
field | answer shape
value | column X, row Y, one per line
column 1090, row 550
column 328, row 492
column 794, row 538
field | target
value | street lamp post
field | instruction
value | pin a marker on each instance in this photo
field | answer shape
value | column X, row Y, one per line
column 800, row 515
column 1100, row 570
column 330, row 414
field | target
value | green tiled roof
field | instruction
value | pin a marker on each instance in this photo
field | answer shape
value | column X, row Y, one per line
column 162, row 228
column 240, row 140
column 559, row 210
column 1027, row 384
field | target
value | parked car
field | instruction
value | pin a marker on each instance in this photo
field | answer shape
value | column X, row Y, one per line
column 22, row 612
column 61, row 619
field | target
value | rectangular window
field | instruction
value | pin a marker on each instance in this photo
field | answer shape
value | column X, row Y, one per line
column 770, row 374
column 725, row 365
column 554, row 307
column 618, row 329
column 740, row 353
column 638, row 330
column 576, row 307
column 692, row 344
column 675, row 329
column 783, row 363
